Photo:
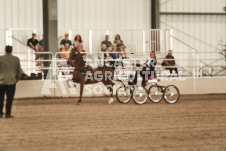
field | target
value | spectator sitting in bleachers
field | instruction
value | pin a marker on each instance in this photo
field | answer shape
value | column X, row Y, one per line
column 77, row 41
column 80, row 49
column 105, row 50
column 32, row 42
column 109, row 49
column 40, row 49
column 65, row 40
column 123, row 54
column 106, row 41
column 66, row 54
column 66, row 49
column 170, row 63
column 118, row 41
column 41, row 44
column 114, row 53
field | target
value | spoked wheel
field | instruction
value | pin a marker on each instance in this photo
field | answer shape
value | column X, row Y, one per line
column 155, row 93
column 171, row 94
column 123, row 94
column 140, row 95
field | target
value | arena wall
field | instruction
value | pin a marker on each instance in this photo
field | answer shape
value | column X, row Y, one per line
column 39, row 88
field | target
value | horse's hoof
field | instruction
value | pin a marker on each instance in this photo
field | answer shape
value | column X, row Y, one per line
column 111, row 101
column 78, row 103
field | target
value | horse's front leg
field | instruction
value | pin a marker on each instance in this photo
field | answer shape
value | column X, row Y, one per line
column 81, row 91
column 110, row 85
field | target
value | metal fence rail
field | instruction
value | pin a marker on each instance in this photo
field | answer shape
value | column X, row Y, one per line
column 190, row 61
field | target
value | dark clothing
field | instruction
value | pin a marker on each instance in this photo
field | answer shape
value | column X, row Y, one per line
column 10, row 72
column 10, row 69
column 150, row 65
column 9, row 90
column 105, row 54
column 114, row 55
column 171, row 70
column 41, row 42
column 34, row 42
column 170, row 63
column 119, row 44
column 148, row 70
column 107, row 43
column 63, row 42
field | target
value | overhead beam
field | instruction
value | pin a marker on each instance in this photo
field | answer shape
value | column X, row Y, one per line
column 190, row 13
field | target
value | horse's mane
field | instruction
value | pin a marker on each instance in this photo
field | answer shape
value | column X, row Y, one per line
column 80, row 60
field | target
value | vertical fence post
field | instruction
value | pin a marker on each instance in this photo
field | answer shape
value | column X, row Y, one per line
column 201, row 65
column 171, row 39
column 7, row 37
column 90, row 42
column 33, row 61
column 192, row 60
column 144, row 42
column 69, row 34
column 197, row 65
column 28, row 60
column 9, row 40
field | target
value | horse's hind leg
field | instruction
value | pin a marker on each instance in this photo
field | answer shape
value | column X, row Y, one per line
column 111, row 100
column 81, row 90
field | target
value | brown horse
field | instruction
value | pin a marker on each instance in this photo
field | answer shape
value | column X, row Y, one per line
column 81, row 74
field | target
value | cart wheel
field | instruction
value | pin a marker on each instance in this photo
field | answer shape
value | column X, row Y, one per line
column 155, row 93
column 171, row 94
column 140, row 95
column 123, row 94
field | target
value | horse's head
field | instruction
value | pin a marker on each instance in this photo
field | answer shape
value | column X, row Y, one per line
column 75, row 58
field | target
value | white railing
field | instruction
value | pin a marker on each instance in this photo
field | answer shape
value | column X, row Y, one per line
column 196, row 68
column 136, row 41
column 189, row 61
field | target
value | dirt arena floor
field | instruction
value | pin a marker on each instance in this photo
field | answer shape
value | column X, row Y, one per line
column 196, row 122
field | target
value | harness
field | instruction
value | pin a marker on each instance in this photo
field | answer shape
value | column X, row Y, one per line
column 84, row 70
column 79, row 70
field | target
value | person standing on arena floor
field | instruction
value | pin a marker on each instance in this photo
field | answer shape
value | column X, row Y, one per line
column 10, row 72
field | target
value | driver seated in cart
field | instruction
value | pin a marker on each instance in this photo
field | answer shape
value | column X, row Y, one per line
column 148, row 70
